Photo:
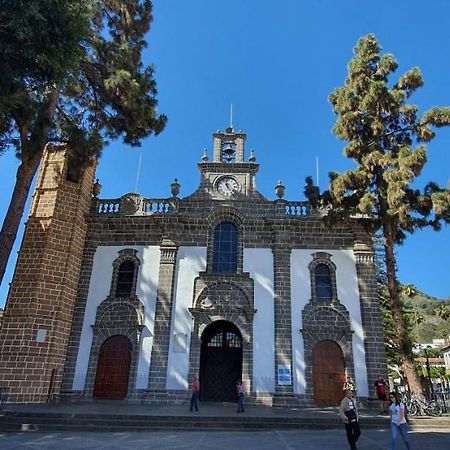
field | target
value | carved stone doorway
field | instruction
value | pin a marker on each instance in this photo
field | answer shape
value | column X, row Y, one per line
column 113, row 369
column 328, row 373
column 220, row 362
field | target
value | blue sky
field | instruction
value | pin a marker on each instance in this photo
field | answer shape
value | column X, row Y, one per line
column 276, row 62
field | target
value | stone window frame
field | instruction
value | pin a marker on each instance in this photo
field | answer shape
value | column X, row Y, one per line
column 129, row 254
column 323, row 258
column 225, row 217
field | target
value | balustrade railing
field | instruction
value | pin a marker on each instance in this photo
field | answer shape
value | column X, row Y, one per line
column 133, row 205
column 297, row 209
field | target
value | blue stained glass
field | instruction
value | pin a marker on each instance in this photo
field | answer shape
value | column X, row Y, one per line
column 323, row 282
column 225, row 248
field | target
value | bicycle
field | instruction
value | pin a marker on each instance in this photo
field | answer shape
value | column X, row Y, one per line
column 416, row 406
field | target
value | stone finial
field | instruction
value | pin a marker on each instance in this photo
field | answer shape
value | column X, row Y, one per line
column 252, row 157
column 96, row 188
column 175, row 188
column 279, row 190
column 205, row 155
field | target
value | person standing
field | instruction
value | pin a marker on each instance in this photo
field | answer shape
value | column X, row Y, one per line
column 399, row 425
column 349, row 385
column 241, row 394
column 195, row 394
column 380, row 389
column 349, row 414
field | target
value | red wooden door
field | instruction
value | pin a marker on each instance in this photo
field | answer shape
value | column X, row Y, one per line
column 328, row 373
column 113, row 369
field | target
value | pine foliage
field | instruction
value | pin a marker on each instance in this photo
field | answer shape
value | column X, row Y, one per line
column 72, row 73
column 386, row 138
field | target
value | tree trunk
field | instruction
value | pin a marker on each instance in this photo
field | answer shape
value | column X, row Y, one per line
column 402, row 338
column 32, row 149
column 24, row 178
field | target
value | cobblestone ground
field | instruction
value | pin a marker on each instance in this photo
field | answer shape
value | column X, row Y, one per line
column 224, row 440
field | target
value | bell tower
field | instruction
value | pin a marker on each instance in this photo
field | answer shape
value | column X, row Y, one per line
column 228, row 177
column 39, row 308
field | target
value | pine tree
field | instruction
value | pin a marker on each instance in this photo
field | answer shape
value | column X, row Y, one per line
column 386, row 139
column 72, row 73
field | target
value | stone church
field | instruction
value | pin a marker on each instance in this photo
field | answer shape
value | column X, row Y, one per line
column 131, row 298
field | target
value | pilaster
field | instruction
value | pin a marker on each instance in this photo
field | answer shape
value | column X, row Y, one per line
column 282, row 320
column 163, row 315
column 370, row 311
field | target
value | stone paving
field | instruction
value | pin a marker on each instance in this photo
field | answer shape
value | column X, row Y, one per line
column 236, row 440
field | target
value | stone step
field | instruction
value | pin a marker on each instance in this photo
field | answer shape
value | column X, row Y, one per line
column 67, row 421
column 15, row 421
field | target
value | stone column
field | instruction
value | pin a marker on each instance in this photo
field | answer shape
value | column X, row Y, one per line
column 282, row 320
column 371, row 315
column 163, row 316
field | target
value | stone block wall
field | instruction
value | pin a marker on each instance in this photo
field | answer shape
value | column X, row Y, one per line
column 39, row 308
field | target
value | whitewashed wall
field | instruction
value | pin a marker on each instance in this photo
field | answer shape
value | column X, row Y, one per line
column 259, row 263
column 190, row 262
column 99, row 288
column 348, row 295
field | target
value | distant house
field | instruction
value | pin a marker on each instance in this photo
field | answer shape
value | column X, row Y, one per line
column 446, row 353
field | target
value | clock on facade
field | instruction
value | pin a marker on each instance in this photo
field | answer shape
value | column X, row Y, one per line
column 227, row 186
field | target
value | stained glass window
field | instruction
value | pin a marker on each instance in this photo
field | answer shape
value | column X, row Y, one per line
column 225, row 249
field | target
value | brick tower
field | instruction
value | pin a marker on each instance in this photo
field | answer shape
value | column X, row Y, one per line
column 38, row 314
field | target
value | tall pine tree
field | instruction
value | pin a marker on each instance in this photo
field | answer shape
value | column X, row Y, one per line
column 72, row 73
column 385, row 138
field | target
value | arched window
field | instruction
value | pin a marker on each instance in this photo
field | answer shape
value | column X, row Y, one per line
column 125, row 276
column 323, row 282
column 225, row 249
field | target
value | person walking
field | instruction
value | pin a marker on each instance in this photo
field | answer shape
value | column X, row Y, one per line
column 399, row 425
column 241, row 394
column 349, row 414
column 380, row 389
column 195, row 388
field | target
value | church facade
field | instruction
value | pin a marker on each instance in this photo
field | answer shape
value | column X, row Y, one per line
column 132, row 298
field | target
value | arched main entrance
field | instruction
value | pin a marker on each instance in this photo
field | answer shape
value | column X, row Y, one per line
column 113, row 369
column 328, row 373
column 220, row 362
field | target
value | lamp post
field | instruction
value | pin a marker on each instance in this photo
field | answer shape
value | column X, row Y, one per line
column 427, row 356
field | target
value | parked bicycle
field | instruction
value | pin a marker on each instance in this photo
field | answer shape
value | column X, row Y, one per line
column 417, row 406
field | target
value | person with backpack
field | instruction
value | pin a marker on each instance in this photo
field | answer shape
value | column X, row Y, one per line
column 399, row 425
column 380, row 389
column 349, row 415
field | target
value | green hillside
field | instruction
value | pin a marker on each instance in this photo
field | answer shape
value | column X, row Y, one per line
column 429, row 317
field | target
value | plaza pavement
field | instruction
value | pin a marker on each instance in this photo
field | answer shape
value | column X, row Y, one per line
column 221, row 440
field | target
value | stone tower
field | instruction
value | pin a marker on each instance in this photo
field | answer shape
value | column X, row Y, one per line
column 39, row 308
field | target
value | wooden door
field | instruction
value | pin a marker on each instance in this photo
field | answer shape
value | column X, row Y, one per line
column 113, row 369
column 328, row 373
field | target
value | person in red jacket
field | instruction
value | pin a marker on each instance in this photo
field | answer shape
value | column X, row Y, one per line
column 195, row 394
column 381, row 391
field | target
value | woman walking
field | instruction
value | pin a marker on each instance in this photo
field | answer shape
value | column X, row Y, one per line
column 241, row 392
column 399, row 425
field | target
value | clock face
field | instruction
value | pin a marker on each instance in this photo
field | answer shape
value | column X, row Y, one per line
column 227, row 186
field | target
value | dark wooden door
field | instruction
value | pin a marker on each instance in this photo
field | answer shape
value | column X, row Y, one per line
column 328, row 373
column 221, row 362
column 113, row 369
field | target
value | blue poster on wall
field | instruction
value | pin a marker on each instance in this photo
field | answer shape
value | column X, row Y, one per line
column 284, row 375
